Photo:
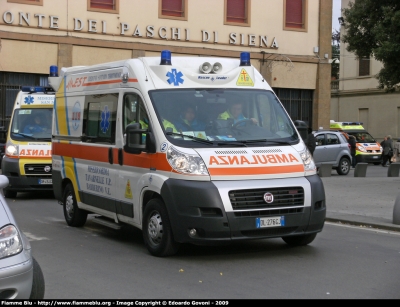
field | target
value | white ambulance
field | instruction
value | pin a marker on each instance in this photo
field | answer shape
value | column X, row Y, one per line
column 188, row 149
column 27, row 160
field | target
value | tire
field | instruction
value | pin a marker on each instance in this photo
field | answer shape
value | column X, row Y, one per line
column 74, row 216
column 157, row 231
column 38, row 285
column 299, row 240
column 344, row 166
column 10, row 194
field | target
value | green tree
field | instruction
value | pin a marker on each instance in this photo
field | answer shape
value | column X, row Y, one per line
column 373, row 30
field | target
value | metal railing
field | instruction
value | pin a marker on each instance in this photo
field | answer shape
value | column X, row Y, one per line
column 335, row 85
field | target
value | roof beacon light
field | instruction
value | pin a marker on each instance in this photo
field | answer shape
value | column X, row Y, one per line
column 53, row 71
column 32, row 89
column 245, row 59
column 165, row 57
column 36, row 89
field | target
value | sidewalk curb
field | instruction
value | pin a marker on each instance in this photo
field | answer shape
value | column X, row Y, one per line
column 365, row 224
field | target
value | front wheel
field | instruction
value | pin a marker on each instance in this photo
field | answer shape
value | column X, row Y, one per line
column 344, row 166
column 299, row 240
column 157, row 231
column 74, row 216
column 38, row 286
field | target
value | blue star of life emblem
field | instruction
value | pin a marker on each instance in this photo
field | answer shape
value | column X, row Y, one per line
column 175, row 77
column 105, row 119
column 28, row 99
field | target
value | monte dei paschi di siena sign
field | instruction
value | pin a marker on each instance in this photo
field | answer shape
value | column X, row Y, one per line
column 149, row 31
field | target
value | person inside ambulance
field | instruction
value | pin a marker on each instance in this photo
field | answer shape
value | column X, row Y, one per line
column 235, row 111
column 188, row 121
column 144, row 122
column 35, row 127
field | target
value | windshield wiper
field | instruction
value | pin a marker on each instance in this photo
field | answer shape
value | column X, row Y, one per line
column 232, row 143
column 25, row 135
column 193, row 138
column 264, row 140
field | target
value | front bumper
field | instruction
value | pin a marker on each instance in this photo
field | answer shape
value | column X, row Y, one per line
column 16, row 280
column 369, row 158
column 199, row 205
column 22, row 182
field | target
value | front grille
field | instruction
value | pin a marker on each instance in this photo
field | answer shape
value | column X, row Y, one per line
column 254, row 199
column 36, row 169
column 258, row 213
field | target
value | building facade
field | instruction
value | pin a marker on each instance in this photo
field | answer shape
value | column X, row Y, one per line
column 356, row 97
column 289, row 41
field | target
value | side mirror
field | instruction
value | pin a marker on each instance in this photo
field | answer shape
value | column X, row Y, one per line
column 135, row 139
column 302, row 127
column 138, row 140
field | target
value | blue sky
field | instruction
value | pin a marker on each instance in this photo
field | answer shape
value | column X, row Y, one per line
column 336, row 15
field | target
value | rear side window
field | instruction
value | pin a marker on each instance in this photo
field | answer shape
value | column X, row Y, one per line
column 332, row 139
column 99, row 120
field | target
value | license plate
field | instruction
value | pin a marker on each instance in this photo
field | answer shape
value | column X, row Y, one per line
column 45, row 181
column 262, row 222
column 375, row 157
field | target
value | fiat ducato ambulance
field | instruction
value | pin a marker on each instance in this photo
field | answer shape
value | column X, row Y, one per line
column 241, row 172
column 367, row 148
column 27, row 160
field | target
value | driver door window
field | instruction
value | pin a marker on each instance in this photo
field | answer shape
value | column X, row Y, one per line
column 320, row 139
column 134, row 111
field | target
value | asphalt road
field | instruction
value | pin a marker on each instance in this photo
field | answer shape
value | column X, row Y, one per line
column 95, row 262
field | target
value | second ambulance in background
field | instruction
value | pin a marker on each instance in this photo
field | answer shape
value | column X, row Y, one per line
column 27, row 160
column 368, row 150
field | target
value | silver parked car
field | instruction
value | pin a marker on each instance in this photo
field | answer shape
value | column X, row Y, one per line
column 20, row 275
column 332, row 147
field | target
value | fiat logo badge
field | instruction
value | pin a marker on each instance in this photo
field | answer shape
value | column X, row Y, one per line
column 47, row 168
column 268, row 197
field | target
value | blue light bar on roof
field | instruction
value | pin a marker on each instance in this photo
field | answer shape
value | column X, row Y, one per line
column 245, row 59
column 165, row 57
column 351, row 123
column 36, row 89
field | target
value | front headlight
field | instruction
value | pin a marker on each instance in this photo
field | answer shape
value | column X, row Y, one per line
column 10, row 241
column 308, row 161
column 11, row 150
column 185, row 163
column 361, row 148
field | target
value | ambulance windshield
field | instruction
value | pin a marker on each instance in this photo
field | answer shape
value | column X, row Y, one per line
column 362, row 137
column 223, row 115
column 31, row 124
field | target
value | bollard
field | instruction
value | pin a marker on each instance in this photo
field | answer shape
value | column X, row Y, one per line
column 393, row 170
column 325, row 169
column 396, row 211
column 361, row 169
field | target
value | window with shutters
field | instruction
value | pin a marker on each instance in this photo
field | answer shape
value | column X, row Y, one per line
column 364, row 66
column 237, row 12
column 33, row 2
column 295, row 15
column 173, row 9
column 105, row 6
